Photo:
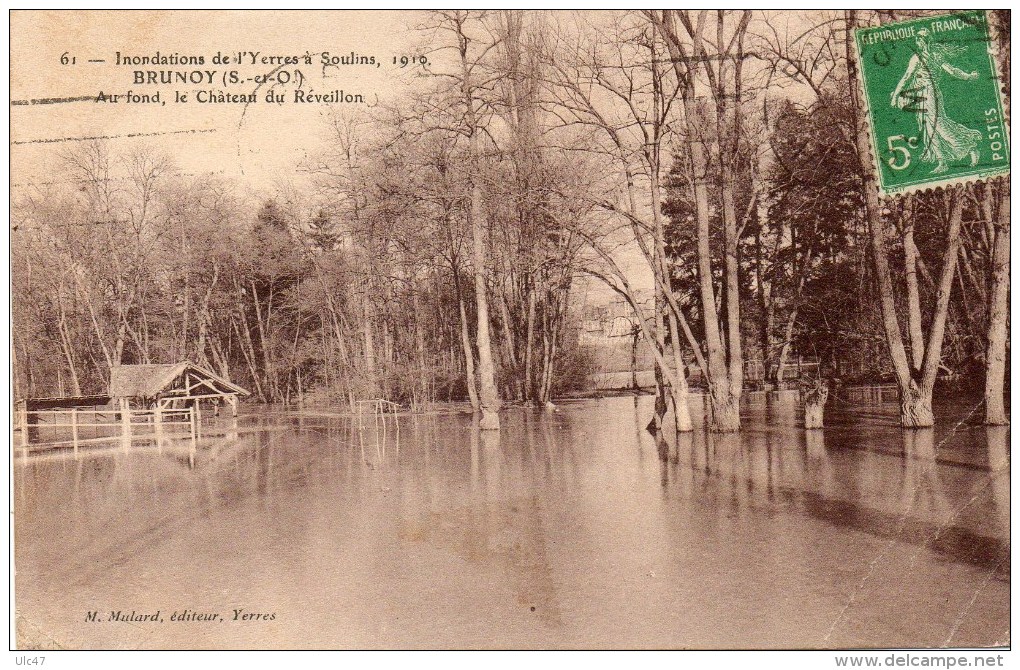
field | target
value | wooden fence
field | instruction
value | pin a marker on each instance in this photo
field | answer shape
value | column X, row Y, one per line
column 868, row 395
column 81, row 426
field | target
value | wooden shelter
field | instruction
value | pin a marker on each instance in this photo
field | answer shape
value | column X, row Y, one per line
column 163, row 386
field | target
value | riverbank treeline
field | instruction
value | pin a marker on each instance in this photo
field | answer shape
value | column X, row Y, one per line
column 435, row 248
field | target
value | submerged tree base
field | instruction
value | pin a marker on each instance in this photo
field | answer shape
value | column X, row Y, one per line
column 814, row 405
column 682, row 415
column 995, row 411
column 916, row 412
column 677, row 415
column 814, row 415
column 726, row 415
column 489, row 420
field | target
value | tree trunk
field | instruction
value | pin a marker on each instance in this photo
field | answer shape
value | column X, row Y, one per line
column 118, row 348
column 915, row 409
column 84, row 295
column 680, row 390
column 659, row 413
column 369, row 344
column 725, row 414
column 784, row 348
column 633, row 358
column 724, row 417
column 387, row 357
column 222, row 367
column 814, row 415
column 919, row 409
column 998, row 321
column 725, row 400
column 419, row 333
column 203, row 323
column 509, row 348
column 548, row 363
column 65, row 339
column 529, row 351
column 469, row 361
column 910, row 255
column 16, row 373
column 248, row 351
column 911, row 399
column 465, row 339
column 489, row 397
column 735, row 362
column 268, row 361
column 678, row 381
column 660, row 344
column 814, row 406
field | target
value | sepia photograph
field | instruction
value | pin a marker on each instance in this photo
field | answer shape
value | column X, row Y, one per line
column 665, row 329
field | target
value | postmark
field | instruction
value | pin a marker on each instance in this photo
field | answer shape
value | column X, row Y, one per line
column 934, row 104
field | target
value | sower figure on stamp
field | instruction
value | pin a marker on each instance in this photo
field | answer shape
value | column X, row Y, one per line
column 944, row 140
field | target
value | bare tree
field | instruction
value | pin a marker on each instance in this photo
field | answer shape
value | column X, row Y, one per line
column 998, row 317
column 710, row 65
column 916, row 383
column 616, row 83
column 998, row 299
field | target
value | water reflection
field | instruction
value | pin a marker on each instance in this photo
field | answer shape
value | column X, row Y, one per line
column 576, row 528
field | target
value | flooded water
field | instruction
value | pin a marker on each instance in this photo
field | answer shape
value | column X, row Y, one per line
column 570, row 529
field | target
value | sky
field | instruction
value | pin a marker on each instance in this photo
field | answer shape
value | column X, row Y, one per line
column 256, row 143
column 56, row 103
column 61, row 95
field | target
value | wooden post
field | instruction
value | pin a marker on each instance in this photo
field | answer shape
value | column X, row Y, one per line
column 194, row 436
column 74, row 428
column 125, row 416
column 157, row 418
column 198, row 417
column 125, row 421
column 231, row 433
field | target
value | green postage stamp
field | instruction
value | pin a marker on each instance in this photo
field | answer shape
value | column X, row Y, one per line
column 933, row 102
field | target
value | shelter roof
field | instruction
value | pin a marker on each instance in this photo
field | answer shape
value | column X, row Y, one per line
column 155, row 380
